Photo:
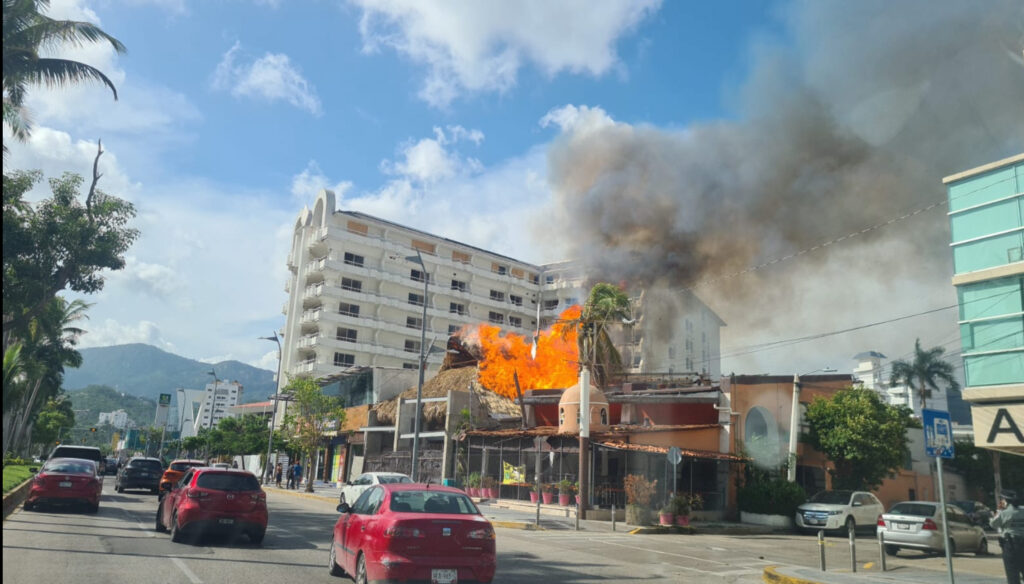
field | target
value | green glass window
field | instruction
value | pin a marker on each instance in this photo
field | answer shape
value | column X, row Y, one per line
column 997, row 369
column 983, row 188
column 992, row 298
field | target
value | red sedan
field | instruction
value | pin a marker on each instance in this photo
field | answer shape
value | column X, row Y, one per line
column 400, row 532
column 214, row 500
column 66, row 480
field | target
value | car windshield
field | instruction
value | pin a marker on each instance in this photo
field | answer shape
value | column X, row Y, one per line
column 222, row 481
column 913, row 509
column 389, row 479
column 145, row 464
column 183, row 466
column 832, row 497
column 69, row 466
column 432, row 502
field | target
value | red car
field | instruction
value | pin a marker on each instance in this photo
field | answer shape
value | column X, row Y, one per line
column 214, row 500
column 66, row 480
column 401, row 531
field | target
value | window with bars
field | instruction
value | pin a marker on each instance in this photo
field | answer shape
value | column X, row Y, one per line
column 344, row 360
column 515, row 321
column 497, row 296
column 459, row 285
column 346, row 334
column 517, row 300
column 350, row 284
column 416, row 299
column 550, row 304
column 348, row 309
column 496, row 317
column 453, row 328
column 412, row 346
column 413, row 322
column 419, row 276
column 354, row 260
column 456, row 308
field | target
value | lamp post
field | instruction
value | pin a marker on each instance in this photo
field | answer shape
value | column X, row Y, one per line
column 213, row 398
column 418, row 258
column 273, row 414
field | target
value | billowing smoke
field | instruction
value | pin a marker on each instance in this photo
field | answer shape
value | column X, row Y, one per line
column 851, row 124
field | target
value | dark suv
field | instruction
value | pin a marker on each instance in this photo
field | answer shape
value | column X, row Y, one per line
column 140, row 473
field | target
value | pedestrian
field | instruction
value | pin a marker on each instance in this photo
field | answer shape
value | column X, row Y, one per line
column 297, row 473
column 277, row 475
column 1010, row 523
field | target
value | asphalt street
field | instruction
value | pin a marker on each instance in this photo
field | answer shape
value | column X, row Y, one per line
column 119, row 544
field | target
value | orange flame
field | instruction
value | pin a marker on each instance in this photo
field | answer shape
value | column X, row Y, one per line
column 555, row 366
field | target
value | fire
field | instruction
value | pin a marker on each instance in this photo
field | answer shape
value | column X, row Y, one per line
column 502, row 355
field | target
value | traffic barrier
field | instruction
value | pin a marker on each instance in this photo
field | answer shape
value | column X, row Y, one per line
column 16, row 496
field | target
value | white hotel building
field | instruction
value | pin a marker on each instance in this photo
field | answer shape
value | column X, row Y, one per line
column 356, row 301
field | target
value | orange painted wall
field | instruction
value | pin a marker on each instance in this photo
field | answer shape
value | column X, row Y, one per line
column 703, row 439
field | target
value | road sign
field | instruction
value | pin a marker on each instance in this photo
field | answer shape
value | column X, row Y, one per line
column 675, row 455
column 938, row 433
column 165, row 399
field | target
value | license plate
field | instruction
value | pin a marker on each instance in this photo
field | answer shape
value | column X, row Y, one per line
column 226, row 521
column 902, row 526
column 65, row 484
column 444, row 576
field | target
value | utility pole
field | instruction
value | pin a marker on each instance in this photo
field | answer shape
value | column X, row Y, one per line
column 273, row 415
column 418, row 258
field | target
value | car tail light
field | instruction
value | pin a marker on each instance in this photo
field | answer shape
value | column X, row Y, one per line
column 261, row 496
column 881, row 522
column 399, row 531
column 193, row 494
column 485, row 533
column 929, row 525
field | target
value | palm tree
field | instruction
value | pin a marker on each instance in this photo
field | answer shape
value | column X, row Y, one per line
column 606, row 305
column 924, row 372
column 27, row 32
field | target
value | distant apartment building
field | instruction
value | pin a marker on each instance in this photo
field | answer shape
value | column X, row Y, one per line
column 356, row 294
column 872, row 372
column 215, row 402
column 986, row 218
column 118, row 419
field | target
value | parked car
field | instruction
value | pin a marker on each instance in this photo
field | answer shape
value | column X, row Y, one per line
column 918, row 525
column 74, row 451
column 139, row 473
column 979, row 512
column 351, row 491
column 845, row 510
column 175, row 471
column 403, row 531
column 66, row 481
column 214, row 500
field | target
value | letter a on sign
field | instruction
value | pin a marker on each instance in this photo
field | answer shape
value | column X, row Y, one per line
column 1003, row 423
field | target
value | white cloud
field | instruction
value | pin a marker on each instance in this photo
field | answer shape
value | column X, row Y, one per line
column 272, row 77
column 311, row 180
column 157, row 280
column 472, row 46
column 112, row 332
column 429, row 160
column 582, row 119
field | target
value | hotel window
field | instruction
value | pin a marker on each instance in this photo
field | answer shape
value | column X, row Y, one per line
column 458, row 285
column 348, row 309
column 410, row 366
column 497, row 296
column 416, row 299
column 344, row 360
column 549, row 279
column 354, row 260
column 517, row 300
column 453, row 328
column 496, row 317
column 550, row 304
column 515, row 321
column 499, row 269
column 346, row 334
column 412, row 346
column 456, row 308
column 534, row 278
column 419, row 276
column 350, row 284
column 571, row 300
column 413, row 322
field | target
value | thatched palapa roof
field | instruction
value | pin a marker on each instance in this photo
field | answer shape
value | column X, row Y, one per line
column 487, row 405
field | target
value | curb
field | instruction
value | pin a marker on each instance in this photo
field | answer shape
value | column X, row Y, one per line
column 516, row 525
column 16, row 496
column 772, row 576
column 663, row 530
column 305, row 495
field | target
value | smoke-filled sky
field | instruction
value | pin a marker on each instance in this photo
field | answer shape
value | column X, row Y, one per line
column 674, row 143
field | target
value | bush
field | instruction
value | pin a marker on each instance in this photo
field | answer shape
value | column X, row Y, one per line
column 639, row 490
column 488, row 482
column 770, row 496
column 565, row 486
column 473, row 480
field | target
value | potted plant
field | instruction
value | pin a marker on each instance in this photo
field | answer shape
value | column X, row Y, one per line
column 579, row 495
column 546, row 494
column 473, row 484
column 639, row 491
column 490, row 487
column 681, row 505
column 667, row 514
column 564, row 492
column 535, row 493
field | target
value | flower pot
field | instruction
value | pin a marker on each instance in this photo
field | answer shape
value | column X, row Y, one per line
column 637, row 515
column 563, row 499
column 547, row 497
column 579, row 500
column 682, row 520
column 534, row 496
column 492, row 492
column 666, row 519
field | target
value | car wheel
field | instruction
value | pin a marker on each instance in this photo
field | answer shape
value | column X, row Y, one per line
column 256, row 537
column 360, row 577
column 892, row 550
column 160, row 527
column 335, row 569
column 176, row 534
column 851, row 525
column 93, row 508
column 29, row 506
column 982, row 547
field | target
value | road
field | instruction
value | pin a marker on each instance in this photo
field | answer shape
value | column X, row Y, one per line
column 119, row 544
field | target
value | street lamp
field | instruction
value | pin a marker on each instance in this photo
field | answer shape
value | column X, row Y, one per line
column 418, row 258
column 213, row 398
column 273, row 414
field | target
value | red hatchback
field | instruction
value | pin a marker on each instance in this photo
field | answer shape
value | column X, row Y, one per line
column 401, row 532
column 214, row 500
column 66, row 480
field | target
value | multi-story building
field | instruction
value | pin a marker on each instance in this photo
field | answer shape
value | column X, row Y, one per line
column 359, row 285
column 871, row 372
column 986, row 217
column 215, row 401
column 117, row 419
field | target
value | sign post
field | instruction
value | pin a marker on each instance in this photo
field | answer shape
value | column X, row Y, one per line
column 161, row 418
column 674, row 456
column 938, row 443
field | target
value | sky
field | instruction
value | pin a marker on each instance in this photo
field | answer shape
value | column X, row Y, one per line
column 725, row 148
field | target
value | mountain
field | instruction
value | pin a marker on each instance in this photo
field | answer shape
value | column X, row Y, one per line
column 88, row 403
column 146, row 371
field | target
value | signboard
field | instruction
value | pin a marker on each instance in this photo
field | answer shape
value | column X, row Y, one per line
column 512, row 475
column 675, row 455
column 938, row 433
column 165, row 399
column 998, row 425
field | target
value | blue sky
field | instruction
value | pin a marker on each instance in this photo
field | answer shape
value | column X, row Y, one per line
column 459, row 118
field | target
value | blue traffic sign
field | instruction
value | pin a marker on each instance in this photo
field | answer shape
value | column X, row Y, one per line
column 938, row 433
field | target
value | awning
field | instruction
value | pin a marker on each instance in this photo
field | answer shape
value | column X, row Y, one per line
column 687, row 453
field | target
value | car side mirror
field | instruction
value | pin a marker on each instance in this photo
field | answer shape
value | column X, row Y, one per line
column 33, row 469
column 344, row 508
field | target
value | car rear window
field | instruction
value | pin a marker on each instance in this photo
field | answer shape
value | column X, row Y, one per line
column 393, row 479
column 183, row 466
column 913, row 509
column 432, row 502
column 146, row 464
column 222, row 481
column 59, row 466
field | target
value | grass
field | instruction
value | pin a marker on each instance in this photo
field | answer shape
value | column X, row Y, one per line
column 14, row 475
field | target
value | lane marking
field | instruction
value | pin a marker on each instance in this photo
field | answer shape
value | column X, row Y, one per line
column 149, row 532
column 188, row 573
column 633, row 547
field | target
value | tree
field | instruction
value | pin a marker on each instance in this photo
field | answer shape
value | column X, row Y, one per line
column 27, row 32
column 59, row 243
column 974, row 464
column 864, row 438
column 924, row 372
column 606, row 305
column 54, row 417
column 310, row 417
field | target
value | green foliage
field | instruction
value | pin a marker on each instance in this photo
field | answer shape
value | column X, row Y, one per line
column 924, row 372
column 606, row 306
column 473, row 480
column 865, row 438
column 565, row 486
column 768, row 495
column 975, row 465
column 54, row 416
column 15, row 474
column 683, row 503
column 310, row 416
column 102, row 398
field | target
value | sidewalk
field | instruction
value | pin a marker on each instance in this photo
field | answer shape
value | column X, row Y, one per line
column 898, row 575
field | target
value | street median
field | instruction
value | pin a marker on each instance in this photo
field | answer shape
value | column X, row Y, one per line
column 16, row 496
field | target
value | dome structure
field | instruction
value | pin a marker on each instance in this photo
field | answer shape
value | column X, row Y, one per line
column 569, row 410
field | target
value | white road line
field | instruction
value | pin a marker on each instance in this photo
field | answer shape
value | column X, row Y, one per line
column 188, row 573
column 633, row 547
column 149, row 532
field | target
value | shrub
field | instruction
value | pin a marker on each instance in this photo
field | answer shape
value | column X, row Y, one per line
column 488, row 482
column 473, row 480
column 565, row 486
column 639, row 490
column 770, row 496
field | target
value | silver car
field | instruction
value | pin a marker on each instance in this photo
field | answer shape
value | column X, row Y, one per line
column 918, row 525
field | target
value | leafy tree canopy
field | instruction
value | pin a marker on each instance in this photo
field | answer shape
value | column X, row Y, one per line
column 310, row 415
column 924, row 372
column 865, row 438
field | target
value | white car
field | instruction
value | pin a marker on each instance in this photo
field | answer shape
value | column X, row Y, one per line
column 351, row 491
column 918, row 525
column 830, row 510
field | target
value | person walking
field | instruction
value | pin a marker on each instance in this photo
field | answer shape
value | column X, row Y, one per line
column 297, row 474
column 1010, row 523
column 278, row 471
